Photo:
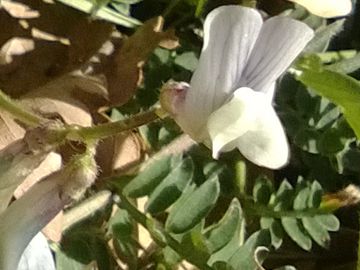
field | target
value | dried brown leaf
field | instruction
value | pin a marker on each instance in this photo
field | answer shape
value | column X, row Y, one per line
column 53, row 230
column 15, row 47
column 64, row 40
column 128, row 151
column 19, row 10
column 49, row 165
column 124, row 73
column 56, row 98
column 52, row 163
column 10, row 131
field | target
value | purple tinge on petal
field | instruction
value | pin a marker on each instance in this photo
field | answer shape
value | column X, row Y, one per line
column 280, row 41
column 230, row 33
column 24, row 218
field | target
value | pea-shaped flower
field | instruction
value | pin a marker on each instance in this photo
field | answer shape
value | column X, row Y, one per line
column 228, row 104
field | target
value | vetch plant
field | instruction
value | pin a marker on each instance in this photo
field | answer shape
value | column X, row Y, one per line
column 215, row 214
column 228, row 104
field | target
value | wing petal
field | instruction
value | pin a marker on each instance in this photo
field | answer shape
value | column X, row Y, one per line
column 249, row 122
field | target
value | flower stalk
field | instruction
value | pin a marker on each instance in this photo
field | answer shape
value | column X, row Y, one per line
column 110, row 129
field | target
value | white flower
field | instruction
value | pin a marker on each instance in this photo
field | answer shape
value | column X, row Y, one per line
column 229, row 102
column 25, row 217
column 326, row 8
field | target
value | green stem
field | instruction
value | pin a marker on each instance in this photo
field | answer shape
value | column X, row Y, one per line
column 240, row 171
column 165, row 239
column 332, row 56
column 112, row 128
column 170, row 7
column 265, row 211
column 249, row 3
column 199, row 8
column 26, row 117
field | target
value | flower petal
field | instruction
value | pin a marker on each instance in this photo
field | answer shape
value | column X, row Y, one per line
column 326, row 8
column 230, row 33
column 250, row 123
column 280, row 41
column 37, row 255
column 25, row 217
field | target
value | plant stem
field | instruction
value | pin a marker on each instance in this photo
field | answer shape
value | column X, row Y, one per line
column 240, row 170
column 265, row 211
column 112, row 128
column 167, row 239
column 15, row 110
column 170, row 7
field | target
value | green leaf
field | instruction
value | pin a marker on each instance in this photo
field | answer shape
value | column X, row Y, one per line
column 262, row 191
column 341, row 89
column 307, row 139
column 330, row 142
column 275, row 228
column 64, row 262
column 323, row 36
column 145, row 182
column 301, row 199
column 346, row 66
column 316, row 231
column 315, row 197
column 222, row 266
column 296, row 232
column 221, row 233
column 195, row 208
column 122, row 229
column 225, row 253
column 194, row 240
column 330, row 222
column 284, row 196
column 251, row 254
column 187, row 60
column 276, row 233
column 170, row 189
column 86, row 244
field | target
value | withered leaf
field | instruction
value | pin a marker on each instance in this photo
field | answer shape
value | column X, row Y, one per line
column 64, row 39
column 19, row 10
column 15, row 47
column 124, row 73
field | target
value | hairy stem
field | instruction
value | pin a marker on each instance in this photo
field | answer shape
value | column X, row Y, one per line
column 113, row 128
column 12, row 107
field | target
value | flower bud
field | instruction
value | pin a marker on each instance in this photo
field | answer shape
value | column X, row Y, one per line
column 172, row 96
column 79, row 174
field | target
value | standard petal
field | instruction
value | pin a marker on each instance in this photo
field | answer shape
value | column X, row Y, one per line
column 280, row 41
column 248, row 122
column 326, row 8
column 230, row 33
